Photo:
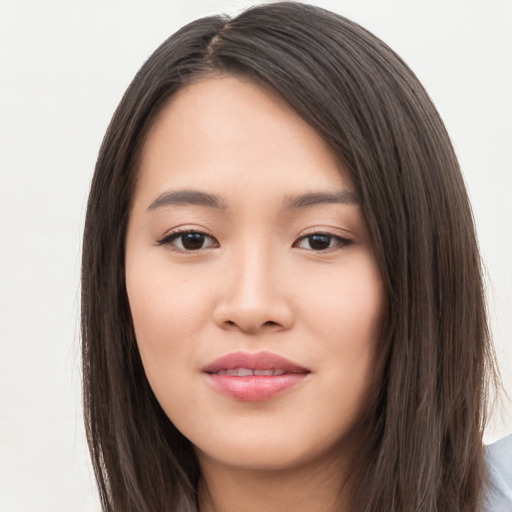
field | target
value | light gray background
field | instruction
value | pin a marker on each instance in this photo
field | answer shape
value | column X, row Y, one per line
column 63, row 68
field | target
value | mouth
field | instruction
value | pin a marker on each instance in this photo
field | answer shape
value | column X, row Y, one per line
column 247, row 372
column 254, row 377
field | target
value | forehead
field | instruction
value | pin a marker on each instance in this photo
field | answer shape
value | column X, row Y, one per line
column 225, row 133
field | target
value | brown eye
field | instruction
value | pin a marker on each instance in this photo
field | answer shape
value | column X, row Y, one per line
column 189, row 241
column 321, row 242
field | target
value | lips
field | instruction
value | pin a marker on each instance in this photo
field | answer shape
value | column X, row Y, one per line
column 247, row 372
column 254, row 377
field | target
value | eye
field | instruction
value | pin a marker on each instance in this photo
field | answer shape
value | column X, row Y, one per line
column 321, row 242
column 188, row 241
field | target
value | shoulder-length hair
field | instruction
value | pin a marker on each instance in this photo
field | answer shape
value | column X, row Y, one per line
column 421, row 448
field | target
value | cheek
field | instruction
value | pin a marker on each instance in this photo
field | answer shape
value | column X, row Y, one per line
column 170, row 316
column 167, row 312
column 346, row 318
column 163, row 301
column 165, row 324
column 347, row 305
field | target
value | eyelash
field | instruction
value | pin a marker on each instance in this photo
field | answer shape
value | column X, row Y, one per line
column 338, row 241
column 170, row 239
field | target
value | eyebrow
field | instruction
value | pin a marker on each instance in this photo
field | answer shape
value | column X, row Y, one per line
column 185, row 197
column 196, row 197
column 317, row 198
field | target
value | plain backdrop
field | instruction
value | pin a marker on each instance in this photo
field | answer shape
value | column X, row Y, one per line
column 63, row 68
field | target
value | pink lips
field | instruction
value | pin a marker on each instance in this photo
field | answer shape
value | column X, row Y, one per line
column 254, row 377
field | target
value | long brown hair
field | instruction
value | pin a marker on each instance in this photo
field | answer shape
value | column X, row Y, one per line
column 422, row 437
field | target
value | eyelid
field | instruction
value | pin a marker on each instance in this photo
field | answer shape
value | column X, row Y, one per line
column 342, row 241
column 174, row 234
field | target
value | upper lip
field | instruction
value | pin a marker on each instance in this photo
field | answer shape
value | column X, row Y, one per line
column 257, row 361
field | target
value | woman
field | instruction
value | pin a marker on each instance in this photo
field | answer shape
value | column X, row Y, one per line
column 282, row 303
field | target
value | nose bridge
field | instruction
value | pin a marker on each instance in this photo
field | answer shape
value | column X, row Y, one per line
column 253, row 296
column 253, row 267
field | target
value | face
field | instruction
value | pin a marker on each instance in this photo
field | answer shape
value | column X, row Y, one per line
column 254, row 292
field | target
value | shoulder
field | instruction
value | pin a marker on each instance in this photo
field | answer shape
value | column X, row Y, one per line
column 498, row 496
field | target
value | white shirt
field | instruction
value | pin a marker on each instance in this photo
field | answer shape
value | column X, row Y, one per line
column 498, row 497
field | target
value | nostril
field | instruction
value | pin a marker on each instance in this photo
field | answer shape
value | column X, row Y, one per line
column 268, row 324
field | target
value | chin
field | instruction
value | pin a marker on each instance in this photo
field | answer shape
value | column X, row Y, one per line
column 266, row 452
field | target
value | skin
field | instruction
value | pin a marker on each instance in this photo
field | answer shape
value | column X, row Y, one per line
column 256, row 282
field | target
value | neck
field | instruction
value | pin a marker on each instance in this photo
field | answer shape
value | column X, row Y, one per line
column 301, row 489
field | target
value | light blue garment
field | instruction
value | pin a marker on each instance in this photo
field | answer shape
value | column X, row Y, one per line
column 498, row 497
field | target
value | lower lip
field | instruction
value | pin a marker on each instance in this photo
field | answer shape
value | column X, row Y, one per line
column 255, row 388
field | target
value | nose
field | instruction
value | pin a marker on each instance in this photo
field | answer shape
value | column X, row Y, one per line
column 253, row 299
